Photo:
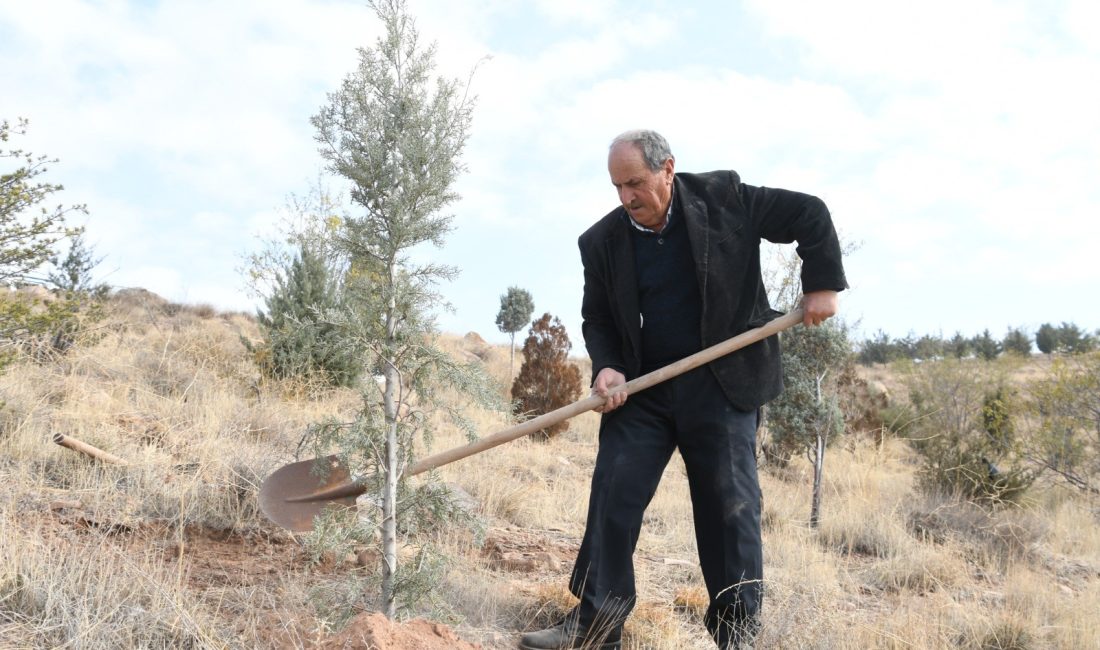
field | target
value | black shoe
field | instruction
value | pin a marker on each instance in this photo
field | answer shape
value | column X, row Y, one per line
column 568, row 634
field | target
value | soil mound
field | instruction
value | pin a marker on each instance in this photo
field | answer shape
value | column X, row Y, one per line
column 373, row 631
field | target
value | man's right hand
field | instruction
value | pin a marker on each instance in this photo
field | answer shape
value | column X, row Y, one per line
column 607, row 379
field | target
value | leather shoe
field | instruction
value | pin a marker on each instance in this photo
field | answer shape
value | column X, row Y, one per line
column 568, row 634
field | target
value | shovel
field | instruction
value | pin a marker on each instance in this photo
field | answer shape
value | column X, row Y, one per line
column 296, row 493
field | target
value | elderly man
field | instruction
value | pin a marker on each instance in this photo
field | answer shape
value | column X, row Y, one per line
column 674, row 269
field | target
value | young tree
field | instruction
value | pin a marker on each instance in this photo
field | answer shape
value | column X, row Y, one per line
column 516, row 307
column 395, row 132
column 986, row 346
column 1017, row 341
column 29, row 234
column 816, row 362
column 300, row 342
column 1046, row 339
column 806, row 416
column 309, row 220
column 27, row 240
column 1073, row 340
column 547, row 379
column 959, row 346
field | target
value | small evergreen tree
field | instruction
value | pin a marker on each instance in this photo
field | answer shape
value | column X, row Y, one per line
column 986, row 346
column 1046, row 339
column 806, row 417
column 1073, row 340
column 1017, row 341
column 516, row 307
column 959, row 346
column 395, row 132
column 300, row 342
column 547, row 379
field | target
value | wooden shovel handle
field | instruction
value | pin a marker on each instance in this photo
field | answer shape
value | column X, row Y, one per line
column 587, row 404
column 95, row 452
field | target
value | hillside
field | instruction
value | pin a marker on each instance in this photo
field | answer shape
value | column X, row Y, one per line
column 170, row 550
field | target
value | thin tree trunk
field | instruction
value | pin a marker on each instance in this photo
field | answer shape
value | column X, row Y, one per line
column 512, row 359
column 391, row 471
column 819, row 464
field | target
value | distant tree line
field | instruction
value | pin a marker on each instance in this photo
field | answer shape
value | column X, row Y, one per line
column 1066, row 338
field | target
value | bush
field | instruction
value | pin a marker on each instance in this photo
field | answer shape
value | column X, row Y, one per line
column 1060, row 431
column 547, row 379
column 963, row 428
column 299, row 341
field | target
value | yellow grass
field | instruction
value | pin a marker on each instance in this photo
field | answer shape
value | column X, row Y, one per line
column 96, row 556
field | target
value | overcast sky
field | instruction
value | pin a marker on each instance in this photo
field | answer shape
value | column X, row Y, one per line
column 958, row 143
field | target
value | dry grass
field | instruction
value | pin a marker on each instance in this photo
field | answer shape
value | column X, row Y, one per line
column 171, row 551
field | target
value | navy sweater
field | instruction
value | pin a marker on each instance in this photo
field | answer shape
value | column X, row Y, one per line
column 668, row 294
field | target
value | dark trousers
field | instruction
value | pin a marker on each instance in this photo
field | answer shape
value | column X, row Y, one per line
column 717, row 442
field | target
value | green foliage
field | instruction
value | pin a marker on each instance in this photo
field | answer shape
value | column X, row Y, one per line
column 395, row 133
column 1072, row 340
column 816, row 362
column 959, row 346
column 40, row 324
column 1016, row 341
column 1062, row 427
column 547, row 380
column 1046, row 339
column 74, row 272
column 878, row 349
column 985, row 346
column 311, row 220
column 964, row 431
column 516, row 307
column 299, row 341
column 28, row 231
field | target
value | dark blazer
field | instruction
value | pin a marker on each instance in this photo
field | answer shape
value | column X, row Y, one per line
column 725, row 220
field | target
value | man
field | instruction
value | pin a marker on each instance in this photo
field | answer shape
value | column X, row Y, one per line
column 673, row 270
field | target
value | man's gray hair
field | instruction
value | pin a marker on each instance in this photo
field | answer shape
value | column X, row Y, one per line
column 653, row 146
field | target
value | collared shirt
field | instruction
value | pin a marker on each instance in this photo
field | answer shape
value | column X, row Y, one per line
column 668, row 215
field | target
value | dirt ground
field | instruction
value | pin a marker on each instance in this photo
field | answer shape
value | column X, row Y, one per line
column 212, row 562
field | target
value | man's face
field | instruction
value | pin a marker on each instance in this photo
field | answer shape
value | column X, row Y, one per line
column 644, row 193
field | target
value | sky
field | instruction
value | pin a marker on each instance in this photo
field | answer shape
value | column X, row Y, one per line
column 956, row 143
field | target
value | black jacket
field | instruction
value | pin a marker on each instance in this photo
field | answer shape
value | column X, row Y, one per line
column 726, row 220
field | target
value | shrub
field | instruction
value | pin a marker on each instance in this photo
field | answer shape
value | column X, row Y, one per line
column 964, row 431
column 547, row 379
column 299, row 341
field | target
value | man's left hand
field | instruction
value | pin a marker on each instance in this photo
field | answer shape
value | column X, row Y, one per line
column 818, row 306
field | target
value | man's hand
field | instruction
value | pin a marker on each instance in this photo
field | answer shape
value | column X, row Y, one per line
column 607, row 379
column 817, row 306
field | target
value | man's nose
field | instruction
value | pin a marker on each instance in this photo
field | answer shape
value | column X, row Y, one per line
column 626, row 196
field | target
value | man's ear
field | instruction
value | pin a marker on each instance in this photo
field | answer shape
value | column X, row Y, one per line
column 670, row 167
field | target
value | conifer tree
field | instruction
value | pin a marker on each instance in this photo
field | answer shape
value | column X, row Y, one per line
column 516, row 307
column 395, row 132
column 300, row 340
column 1017, row 341
column 547, row 379
column 1046, row 339
column 986, row 346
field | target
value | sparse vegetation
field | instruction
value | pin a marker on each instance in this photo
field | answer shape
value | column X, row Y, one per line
column 172, row 551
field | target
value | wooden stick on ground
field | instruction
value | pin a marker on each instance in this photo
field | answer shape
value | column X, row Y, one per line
column 85, row 448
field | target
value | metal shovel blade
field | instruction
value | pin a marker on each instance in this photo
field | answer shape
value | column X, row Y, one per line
column 298, row 492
